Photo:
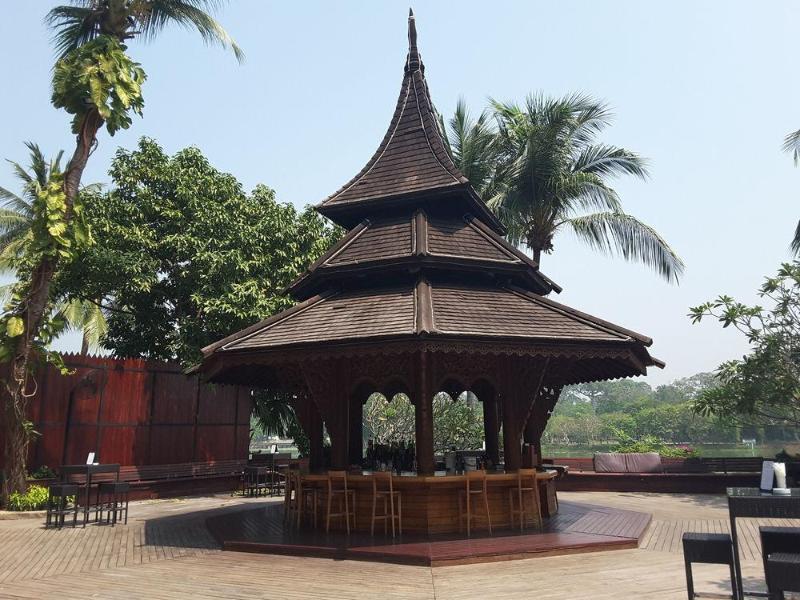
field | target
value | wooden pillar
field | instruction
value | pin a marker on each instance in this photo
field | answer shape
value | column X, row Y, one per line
column 423, row 417
column 328, row 382
column 491, row 426
column 356, row 433
column 531, row 438
column 511, row 431
column 316, row 457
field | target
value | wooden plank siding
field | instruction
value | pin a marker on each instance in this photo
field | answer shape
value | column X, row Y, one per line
column 134, row 412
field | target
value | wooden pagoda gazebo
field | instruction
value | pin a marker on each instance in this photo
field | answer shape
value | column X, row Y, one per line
column 423, row 294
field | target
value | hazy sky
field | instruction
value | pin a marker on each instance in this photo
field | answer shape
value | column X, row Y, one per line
column 705, row 90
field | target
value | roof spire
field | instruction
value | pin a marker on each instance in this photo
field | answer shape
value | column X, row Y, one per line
column 413, row 63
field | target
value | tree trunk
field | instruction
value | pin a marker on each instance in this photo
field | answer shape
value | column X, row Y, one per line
column 36, row 306
column 84, row 344
column 537, row 256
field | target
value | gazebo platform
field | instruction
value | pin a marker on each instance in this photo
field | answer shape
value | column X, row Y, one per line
column 577, row 528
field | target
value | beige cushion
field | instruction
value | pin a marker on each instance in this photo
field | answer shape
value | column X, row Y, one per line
column 609, row 462
column 643, row 462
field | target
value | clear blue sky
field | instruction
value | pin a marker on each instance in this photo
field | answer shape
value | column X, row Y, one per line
column 705, row 90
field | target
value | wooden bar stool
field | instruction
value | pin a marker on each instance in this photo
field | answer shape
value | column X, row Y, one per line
column 291, row 500
column 307, row 499
column 112, row 498
column 390, row 499
column 471, row 491
column 337, row 488
column 527, row 486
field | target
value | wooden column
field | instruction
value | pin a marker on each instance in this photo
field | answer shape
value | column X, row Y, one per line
column 356, row 433
column 423, row 417
column 316, row 457
column 328, row 382
column 491, row 426
column 511, row 431
column 531, row 437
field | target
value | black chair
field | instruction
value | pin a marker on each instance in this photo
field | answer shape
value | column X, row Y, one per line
column 783, row 574
column 62, row 500
column 708, row 548
column 112, row 499
column 778, row 539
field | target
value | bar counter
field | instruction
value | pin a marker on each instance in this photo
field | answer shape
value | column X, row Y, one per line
column 430, row 502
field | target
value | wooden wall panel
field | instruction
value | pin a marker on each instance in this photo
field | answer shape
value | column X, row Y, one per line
column 126, row 397
column 171, row 444
column 214, row 442
column 217, row 404
column 134, row 412
column 175, row 396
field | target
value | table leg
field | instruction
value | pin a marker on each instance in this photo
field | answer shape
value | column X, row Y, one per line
column 737, row 565
column 86, row 503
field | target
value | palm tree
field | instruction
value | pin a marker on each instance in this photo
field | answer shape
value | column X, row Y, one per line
column 791, row 143
column 16, row 221
column 551, row 174
column 472, row 144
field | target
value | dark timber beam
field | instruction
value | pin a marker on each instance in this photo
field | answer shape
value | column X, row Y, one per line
column 423, row 417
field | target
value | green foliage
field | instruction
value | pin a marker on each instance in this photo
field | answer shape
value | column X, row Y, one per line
column 649, row 443
column 763, row 386
column 99, row 74
column 603, row 413
column 184, row 257
column 34, row 498
column 456, row 423
column 43, row 472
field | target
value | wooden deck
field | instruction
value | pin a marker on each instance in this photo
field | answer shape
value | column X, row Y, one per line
column 166, row 552
column 577, row 528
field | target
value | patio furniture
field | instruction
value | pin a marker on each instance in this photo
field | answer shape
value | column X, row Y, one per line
column 307, row 499
column 778, row 539
column 753, row 503
column 59, row 504
column 708, row 548
column 346, row 498
column 255, row 480
column 783, row 574
column 466, row 495
column 112, row 499
column 291, row 494
column 527, row 487
column 390, row 498
column 85, row 474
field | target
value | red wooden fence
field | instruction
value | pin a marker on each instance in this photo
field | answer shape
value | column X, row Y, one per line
column 134, row 412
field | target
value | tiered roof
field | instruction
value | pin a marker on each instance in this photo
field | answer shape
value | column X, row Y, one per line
column 424, row 260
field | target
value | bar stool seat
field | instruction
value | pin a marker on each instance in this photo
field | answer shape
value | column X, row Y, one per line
column 527, row 487
column 390, row 499
column 345, row 497
column 783, row 574
column 707, row 548
column 58, row 505
column 466, row 496
column 112, row 499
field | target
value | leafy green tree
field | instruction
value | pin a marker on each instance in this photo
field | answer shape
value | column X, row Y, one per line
column 183, row 256
column 764, row 386
column 552, row 175
column 16, row 234
column 96, row 82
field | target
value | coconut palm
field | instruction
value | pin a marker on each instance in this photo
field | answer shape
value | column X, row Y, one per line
column 791, row 143
column 16, row 221
column 473, row 146
column 553, row 175
column 83, row 20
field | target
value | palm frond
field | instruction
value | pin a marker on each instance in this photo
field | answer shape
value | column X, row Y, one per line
column 791, row 143
column 620, row 233
column 74, row 25
column 609, row 161
column 85, row 316
column 273, row 412
column 15, row 203
column 796, row 240
column 190, row 14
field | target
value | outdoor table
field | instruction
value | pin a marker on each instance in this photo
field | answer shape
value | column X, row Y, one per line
column 752, row 502
column 88, row 471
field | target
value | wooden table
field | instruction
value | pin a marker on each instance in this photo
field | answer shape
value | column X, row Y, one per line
column 88, row 471
column 752, row 502
column 430, row 502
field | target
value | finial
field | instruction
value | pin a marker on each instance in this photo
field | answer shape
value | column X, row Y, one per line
column 413, row 63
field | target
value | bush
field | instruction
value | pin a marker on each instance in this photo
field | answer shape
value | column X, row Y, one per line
column 43, row 472
column 649, row 443
column 34, row 499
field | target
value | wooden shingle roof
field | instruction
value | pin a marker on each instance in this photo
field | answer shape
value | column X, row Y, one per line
column 412, row 159
column 430, row 310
